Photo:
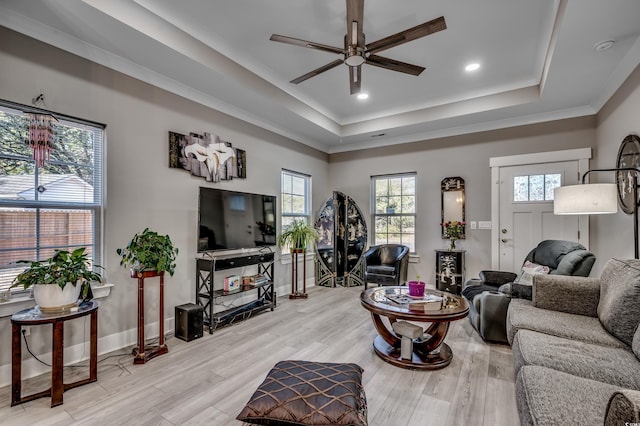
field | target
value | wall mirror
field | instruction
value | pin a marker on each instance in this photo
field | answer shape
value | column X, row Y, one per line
column 452, row 190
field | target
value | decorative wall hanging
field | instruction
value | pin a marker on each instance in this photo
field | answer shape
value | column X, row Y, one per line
column 343, row 237
column 628, row 157
column 207, row 156
column 40, row 136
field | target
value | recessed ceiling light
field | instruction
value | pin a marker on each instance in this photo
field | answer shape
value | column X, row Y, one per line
column 472, row 67
column 363, row 96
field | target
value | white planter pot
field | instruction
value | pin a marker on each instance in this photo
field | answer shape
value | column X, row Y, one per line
column 51, row 298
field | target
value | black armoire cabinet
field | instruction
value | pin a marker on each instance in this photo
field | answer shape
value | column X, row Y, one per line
column 343, row 237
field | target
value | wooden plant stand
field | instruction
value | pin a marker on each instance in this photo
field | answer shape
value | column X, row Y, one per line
column 295, row 293
column 142, row 356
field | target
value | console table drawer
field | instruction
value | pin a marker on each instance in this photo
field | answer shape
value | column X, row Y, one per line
column 235, row 262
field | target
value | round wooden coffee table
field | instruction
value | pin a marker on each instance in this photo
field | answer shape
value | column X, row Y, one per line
column 429, row 352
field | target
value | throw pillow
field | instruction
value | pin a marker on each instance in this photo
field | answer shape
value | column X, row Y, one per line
column 529, row 269
column 618, row 308
column 308, row 393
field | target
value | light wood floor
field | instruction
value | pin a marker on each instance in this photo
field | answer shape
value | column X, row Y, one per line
column 208, row 381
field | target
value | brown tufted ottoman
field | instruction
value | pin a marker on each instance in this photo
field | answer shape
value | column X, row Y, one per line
column 308, row 393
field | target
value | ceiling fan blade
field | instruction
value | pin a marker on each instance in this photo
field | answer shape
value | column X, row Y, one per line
column 317, row 71
column 393, row 65
column 355, row 11
column 304, row 43
column 405, row 36
column 354, row 79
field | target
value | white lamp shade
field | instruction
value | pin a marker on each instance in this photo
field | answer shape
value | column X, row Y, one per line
column 591, row 198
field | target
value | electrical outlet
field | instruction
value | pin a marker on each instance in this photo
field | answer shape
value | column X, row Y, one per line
column 26, row 331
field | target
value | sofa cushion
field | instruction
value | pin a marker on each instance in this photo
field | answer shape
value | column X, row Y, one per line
column 573, row 295
column 308, row 393
column 615, row 366
column 549, row 397
column 619, row 306
column 522, row 315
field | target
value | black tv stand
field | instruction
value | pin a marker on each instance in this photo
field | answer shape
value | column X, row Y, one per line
column 207, row 295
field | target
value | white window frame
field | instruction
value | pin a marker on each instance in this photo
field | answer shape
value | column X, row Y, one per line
column 374, row 215
column 96, row 207
column 306, row 215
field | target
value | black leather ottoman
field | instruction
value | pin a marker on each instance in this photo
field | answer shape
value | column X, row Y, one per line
column 308, row 393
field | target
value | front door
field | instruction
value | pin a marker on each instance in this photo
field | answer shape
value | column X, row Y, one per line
column 526, row 209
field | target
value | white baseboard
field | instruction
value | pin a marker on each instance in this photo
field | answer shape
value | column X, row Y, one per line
column 77, row 353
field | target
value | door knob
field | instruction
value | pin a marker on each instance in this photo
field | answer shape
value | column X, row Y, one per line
column 504, row 230
column 504, row 240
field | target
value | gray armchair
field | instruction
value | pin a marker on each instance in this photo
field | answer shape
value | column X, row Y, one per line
column 490, row 294
column 386, row 264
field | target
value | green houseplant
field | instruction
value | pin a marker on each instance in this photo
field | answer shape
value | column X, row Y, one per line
column 149, row 251
column 50, row 278
column 298, row 235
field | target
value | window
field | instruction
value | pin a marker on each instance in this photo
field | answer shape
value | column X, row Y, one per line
column 393, row 201
column 296, row 197
column 535, row 187
column 55, row 206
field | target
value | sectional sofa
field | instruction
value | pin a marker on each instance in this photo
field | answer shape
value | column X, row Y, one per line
column 576, row 348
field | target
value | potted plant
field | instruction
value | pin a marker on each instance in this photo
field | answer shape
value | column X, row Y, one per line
column 149, row 251
column 298, row 235
column 453, row 229
column 416, row 288
column 58, row 280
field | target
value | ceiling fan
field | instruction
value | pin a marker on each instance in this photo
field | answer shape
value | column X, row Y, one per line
column 356, row 52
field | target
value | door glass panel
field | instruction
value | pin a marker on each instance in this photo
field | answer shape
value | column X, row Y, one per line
column 536, row 188
column 551, row 182
column 521, row 188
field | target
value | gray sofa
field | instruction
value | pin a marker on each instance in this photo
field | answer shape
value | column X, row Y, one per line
column 576, row 348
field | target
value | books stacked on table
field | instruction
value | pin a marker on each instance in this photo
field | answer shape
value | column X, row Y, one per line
column 429, row 302
column 252, row 281
column 232, row 284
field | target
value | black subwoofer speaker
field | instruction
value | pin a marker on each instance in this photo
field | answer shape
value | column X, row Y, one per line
column 188, row 321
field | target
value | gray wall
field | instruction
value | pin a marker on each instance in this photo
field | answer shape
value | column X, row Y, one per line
column 466, row 156
column 612, row 235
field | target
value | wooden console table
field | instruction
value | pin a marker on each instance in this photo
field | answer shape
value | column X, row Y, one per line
column 142, row 356
column 33, row 316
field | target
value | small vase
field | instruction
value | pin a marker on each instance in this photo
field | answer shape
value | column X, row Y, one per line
column 452, row 244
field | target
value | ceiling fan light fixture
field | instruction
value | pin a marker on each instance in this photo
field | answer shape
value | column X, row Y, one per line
column 354, row 60
column 357, row 52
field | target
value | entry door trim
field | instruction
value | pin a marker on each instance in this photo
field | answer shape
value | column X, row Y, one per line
column 582, row 155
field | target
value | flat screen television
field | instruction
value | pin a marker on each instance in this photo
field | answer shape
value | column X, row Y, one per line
column 229, row 220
